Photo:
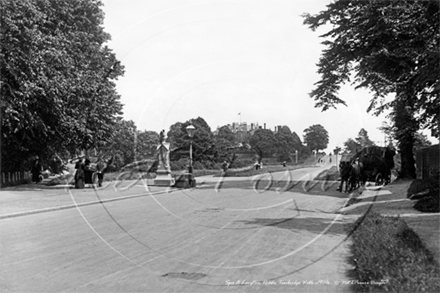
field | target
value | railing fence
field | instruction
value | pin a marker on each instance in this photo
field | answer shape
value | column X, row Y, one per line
column 427, row 161
column 10, row 178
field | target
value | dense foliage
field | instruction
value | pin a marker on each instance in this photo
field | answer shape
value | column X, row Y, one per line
column 226, row 145
column 263, row 143
column 202, row 141
column 128, row 144
column 57, row 78
column 287, row 144
column 316, row 137
column 352, row 146
column 389, row 47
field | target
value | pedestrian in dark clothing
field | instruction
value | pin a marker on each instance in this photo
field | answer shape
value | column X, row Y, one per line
column 101, row 168
column 225, row 166
column 79, row 174
column 36, row 171
column 56, row 165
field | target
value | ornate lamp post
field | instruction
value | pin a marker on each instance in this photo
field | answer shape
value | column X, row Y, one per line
column 190, row 129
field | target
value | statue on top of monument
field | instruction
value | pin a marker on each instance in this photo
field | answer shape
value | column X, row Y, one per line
column 162, row 136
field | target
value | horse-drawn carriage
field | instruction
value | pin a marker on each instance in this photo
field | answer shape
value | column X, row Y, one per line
column 376, row 164
column 372, row 164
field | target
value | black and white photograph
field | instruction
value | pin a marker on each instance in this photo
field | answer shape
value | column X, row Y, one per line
column 219, row 146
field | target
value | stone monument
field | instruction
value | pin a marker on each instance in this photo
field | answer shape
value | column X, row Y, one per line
column 163, row 172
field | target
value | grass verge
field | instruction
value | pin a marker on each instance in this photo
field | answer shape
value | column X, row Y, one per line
column 127, row 175
column 389, row 256
column 250, row 170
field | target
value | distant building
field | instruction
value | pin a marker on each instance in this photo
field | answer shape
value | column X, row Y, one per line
column 243, row 126
column 243, row 130
column 236, row 127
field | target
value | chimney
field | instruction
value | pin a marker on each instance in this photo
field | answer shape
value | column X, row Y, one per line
column 264, row 125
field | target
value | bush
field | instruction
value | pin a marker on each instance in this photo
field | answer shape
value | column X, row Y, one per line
column 419, row 185
column 426, row 192
column 241, row 163
column 429, row 204
column 181, row 164
column 386, row 249
column 198, row 166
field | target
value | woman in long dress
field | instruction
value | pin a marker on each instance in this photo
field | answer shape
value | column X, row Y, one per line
column 79, row 175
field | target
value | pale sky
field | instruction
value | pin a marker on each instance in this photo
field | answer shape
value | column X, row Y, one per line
column 215, row 59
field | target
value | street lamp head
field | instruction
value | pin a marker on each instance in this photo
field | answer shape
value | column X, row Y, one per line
column 190, row 129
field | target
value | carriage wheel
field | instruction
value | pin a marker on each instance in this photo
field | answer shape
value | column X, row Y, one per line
column 379, row 179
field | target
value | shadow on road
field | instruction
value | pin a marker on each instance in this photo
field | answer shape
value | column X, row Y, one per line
column 311, row 224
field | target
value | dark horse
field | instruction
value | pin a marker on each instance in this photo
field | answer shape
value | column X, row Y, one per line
column 351, row 175
column 344, row 171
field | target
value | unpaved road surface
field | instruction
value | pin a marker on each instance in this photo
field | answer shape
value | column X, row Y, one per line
column 233, row 237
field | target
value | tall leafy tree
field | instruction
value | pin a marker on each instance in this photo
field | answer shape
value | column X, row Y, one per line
column 392, row 47
column 363, row 140
column 263, row 143
column 225, row 133
column 203, row 140
column 146, row 144
column 388, row 131
column 421, row 141
column 352, row 146
column 285, row 143
column 225, row 145
column 122, row 144
column 57, row 78
column 316, row 137
column 176, row 136
column 303, row 151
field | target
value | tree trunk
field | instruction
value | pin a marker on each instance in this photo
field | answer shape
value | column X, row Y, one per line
column 406, row 126
column 408, row 169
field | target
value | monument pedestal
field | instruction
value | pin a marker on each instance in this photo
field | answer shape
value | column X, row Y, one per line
column 164, row 177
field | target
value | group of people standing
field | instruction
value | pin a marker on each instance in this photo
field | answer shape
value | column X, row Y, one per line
column 84, row 173
column 54, row 166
